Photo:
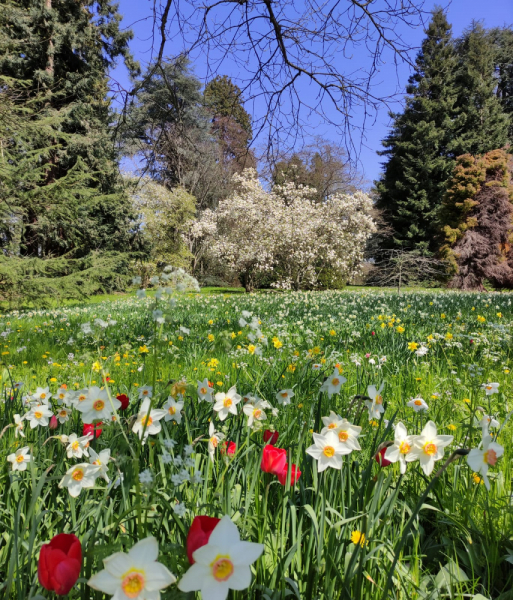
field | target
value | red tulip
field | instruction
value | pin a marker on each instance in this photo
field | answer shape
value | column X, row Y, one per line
column 199, row 534
column 373, row 333
column 53, row 422
column 59, row 563
column 295, row 474
column 89, row 428
column 273, row 460
column 125, row 401
column 380, row 458
column 228, row 448
column 270, row 437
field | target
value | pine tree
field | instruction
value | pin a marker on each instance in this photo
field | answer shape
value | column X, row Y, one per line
column 502, row 40
column 56, row 55
column 419, row 149
column 482, row 123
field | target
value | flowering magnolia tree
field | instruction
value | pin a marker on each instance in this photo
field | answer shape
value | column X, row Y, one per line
column 285, row 236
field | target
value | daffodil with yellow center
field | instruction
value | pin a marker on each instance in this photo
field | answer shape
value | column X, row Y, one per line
column 136, row 575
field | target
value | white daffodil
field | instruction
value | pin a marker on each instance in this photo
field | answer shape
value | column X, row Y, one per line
column 285, row 396
column 255, row 411
column 148, row 419
column 205, row 391
column 20, row 459
column 333, row 384
column 428, row 447
column 401, row 448
column 327, row 451
column 418, row 404
column 421, row 351
column 78, row 477
column 64, row 396
column 42, row 395
column 18, row 426
column 63, row 414
column 348, row 435
column 136, row 575
column 97, row 406
column 214, row 437
column 316, row 367
column 39, row 416
column 79, row 397
column 173, row 410
column 222, row 564
column 486, row 422
column 331, row 422
column 375, row 405
column 481, row 459
column 146, row 391
column 490, row 388
column 226, row 403
column 101, row 460
column 78, row 446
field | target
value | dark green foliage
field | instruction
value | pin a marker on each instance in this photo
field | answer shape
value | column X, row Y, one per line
column 452, row 108
column 224, row 99
column 419, row 147
column 26, row 281
column 482, row 123
column 63, row 195
column 502, row 39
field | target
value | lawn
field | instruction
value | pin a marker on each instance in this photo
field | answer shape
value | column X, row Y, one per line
column 339, row 382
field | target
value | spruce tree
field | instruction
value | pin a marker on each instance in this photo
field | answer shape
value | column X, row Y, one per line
column 56, row 55
column 482, row 123
column 502, row 40
column 418, row 150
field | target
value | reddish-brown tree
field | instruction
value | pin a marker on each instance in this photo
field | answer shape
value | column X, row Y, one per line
column 477, row 219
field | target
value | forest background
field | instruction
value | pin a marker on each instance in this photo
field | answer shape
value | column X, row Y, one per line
column 111, row 166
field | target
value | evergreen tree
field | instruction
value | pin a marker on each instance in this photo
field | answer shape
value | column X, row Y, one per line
column 230, row 122
column 502, row 40
column 419, row 148
column 482, row 123
column 55, row 56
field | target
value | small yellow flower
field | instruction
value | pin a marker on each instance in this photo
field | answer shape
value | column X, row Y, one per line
column 374, row 423
column 300, row 405
column 210, row 337
column 333, row 332
column 180, row 338
column 451, row 427
column 477, row 480
column 143, row 349
column 291, row 368
column 481, row 319
column 442, row 316
column 53, row 379
column 449, row 336
column 400, row 329
column 506, row 371
column 233, row 335
column 219, row 383
column 499, row 314
column 211, row 322
column 96, row 367
column 251, row 349
column 412, row 346
column 357, row 537
column 466, row 400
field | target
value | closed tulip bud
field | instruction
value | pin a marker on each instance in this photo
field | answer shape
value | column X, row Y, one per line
column 228, row 448
column 380, row 458
column 270, row 437
column 89, row 428
column 53, row 422
column 273, row 460
column 59, row 563
column 199, row 534
column 125, row 401
column 295, row 474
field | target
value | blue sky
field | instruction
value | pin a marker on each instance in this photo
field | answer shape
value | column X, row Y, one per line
column 389, row 81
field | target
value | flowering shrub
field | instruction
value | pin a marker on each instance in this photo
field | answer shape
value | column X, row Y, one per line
column 284, row 235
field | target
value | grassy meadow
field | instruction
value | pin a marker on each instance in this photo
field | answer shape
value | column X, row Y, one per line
column 362, row 531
